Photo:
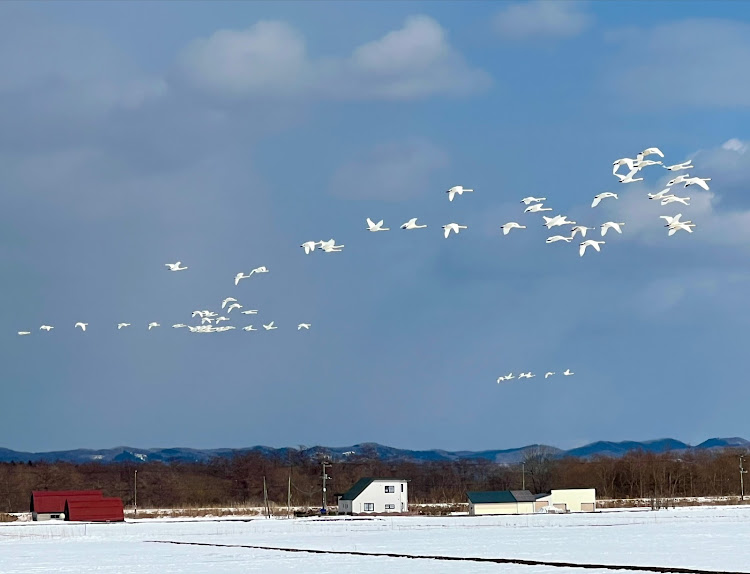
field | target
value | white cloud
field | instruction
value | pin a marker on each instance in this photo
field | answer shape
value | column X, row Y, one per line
column 270, row 59
column 60, row 69
column 735, row 145
column 686, row 64
column 542, row 18
column 393, row 171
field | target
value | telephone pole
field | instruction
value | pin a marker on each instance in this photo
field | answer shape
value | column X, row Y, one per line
column 325, row 476
column 523, row 476
column 135, row 495
column 742, row 480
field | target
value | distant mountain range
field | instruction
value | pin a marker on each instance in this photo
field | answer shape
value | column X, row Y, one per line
column 374, row 450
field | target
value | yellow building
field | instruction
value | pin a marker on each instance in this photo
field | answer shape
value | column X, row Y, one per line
column 501, row 502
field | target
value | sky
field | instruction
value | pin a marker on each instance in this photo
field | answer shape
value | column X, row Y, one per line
column 224, row 135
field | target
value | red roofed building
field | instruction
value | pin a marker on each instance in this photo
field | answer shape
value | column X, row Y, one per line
column 94, row 510
column 50, row 504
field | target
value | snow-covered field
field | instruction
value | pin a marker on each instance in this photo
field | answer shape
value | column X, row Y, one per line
column 711, row 538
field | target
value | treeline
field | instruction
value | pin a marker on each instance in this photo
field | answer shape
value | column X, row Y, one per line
column 238, row 481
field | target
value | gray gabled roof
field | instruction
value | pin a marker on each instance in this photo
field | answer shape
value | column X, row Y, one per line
column 500, row 496
column 363, row 483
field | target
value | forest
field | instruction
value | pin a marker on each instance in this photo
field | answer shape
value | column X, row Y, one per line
column 239, row 481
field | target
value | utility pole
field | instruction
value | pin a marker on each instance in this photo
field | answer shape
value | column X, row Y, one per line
column 265, row 499
column 523, row 476
column 289, row 496
column 135, row 495
column 325, row 476
column 742, row 480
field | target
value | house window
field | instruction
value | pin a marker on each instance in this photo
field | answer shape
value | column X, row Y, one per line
column 369, row 506
column 390, row 507
column 390, row 489
column 402, row 487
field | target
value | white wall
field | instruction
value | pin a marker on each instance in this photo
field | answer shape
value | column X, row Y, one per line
column 501, row 508
column 375, row 494
column 572, row 498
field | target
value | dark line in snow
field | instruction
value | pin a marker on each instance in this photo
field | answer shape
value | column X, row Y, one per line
column 521, row 561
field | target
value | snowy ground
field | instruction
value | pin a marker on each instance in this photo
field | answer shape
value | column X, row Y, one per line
column 713, row 538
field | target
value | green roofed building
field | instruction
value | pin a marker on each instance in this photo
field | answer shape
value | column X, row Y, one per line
column 501, row 502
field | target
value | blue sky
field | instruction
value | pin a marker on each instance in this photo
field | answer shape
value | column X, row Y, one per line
column 226, row 134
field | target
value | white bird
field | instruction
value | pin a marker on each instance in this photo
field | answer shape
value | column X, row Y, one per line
column 372, row 226
column 678, row 166
column 154, row 324
column 454, row 227
column 223, row 304
column 667, row 199
column 412, row 224
column 526, row 375
column 681, row 225
column 196, row 313
column 24, row 332
column 456, row 189
column 249, row 328
column 500, row 379
column 81, row 325
column 233, row 306
column 330, row 247
column 587, row 243
column 207, row 313
column 220, row 319
column 269, row 326
column 509, row 376
column 555, row 238
column 205, row 320
column 121, row 325
column 506, row 227
column 629, row 177
column 659, row 195
column 679, row 179
column 178, row 326
column 699, row 181
column 250, row 312
column 47, row 328
column 240, row 276
column 303, row 326
column 536, row 208
column 175, row 266
column 671, row 220
column 568, row 372
column 309, row 246
column 604, row 195
column 645, row 163
column 548, row 374
column 581, row 229
column 261, row 269
column 530, row 199
column 628, row 161
column 611, row 225
column 550, row 222
column 650, row 151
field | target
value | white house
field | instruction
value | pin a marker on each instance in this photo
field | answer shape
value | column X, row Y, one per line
column 375, row 495
column 569, row 500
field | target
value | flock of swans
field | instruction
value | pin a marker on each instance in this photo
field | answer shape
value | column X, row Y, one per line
column 210, row 320
column 530, row 375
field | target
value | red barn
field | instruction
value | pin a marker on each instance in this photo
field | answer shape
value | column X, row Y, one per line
column 94, row 510
column 48, row 504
